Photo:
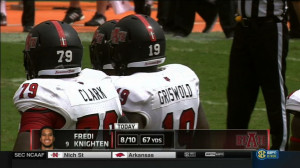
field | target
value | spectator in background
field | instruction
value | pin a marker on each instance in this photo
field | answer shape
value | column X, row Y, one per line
column 208, row 10
column 74, row 13
column 3, row 21
column 142, row 7
column 227, row 12
column 296, row 4
column 166, row 14
column 178, row 17
column 28, row 15
column 294, row 20
column 209, row 13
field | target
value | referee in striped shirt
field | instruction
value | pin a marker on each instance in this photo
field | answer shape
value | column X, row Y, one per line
column 258, row 60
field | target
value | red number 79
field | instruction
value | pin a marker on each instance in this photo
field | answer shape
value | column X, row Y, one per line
column 32, row 90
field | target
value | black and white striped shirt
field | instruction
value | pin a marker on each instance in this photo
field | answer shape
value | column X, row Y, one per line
column 262, row 8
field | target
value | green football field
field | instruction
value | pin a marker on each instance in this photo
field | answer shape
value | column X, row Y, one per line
column 206, row 54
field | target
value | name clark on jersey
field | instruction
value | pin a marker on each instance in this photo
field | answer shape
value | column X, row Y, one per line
column 174, row 93
column 92, row 94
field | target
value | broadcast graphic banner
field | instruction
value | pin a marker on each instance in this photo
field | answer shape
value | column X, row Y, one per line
column 162, row 139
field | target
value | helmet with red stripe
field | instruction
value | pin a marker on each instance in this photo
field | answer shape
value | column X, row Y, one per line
column 138, row 41
column 100, row 48
column 53, row 49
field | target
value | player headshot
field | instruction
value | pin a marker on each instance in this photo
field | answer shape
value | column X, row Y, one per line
column 47, row 138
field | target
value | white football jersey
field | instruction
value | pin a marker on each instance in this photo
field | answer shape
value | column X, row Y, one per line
column 169, row 99
column 293, row 101
column 89, row 97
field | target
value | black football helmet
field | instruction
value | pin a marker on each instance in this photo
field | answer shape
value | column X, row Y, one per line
column 138, row 41
column 53, row 48
column 100, row 48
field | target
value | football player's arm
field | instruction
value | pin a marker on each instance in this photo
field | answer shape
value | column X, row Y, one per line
column 134, row 117
column 36, row 118
column 296, row 5
column 202, row 122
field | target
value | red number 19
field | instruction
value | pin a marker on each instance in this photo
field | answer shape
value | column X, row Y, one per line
column 186, row 120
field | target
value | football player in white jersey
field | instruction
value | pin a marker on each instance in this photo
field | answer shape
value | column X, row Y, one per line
column 164, row 97
column 293, row 106
column 58, row 93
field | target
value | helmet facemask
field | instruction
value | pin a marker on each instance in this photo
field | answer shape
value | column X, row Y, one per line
column 101, row 49
column 29, row 66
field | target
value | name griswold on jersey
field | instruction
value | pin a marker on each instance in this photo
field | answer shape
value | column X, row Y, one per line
column 92, row 94
column 174, row 93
